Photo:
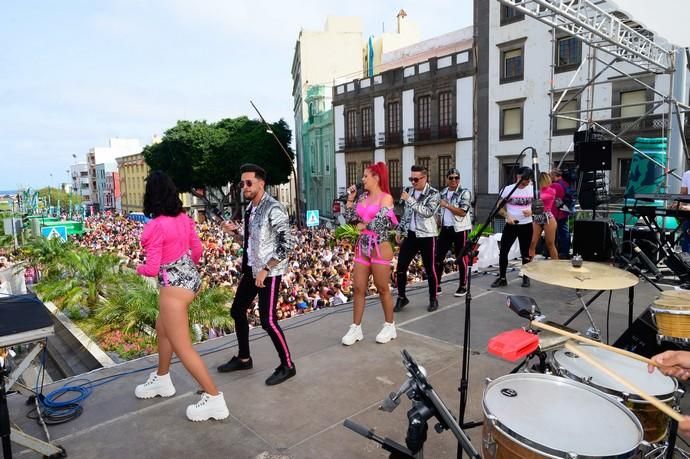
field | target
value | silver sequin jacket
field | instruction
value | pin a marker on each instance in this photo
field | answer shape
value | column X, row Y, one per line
column 271, row 236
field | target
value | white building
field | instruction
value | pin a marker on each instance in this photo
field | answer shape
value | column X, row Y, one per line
column 102, row 161
column 80, row 180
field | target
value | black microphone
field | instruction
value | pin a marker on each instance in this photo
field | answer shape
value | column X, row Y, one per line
column 642, row 256
column 407, row 190
column 537, row 204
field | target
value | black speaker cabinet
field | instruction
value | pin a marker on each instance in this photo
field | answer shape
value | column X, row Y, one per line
column 592, row 240
column 640, row 338
column 593, row 155
column 646, row 240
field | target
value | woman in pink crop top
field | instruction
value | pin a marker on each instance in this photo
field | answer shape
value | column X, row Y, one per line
column 374, row 217
column 172, row 251
column 545, row 222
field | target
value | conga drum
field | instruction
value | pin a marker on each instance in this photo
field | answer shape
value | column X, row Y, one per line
column 671, row 314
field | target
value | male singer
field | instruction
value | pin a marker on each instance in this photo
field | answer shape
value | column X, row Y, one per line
column 456, row 224
column 267, row 244
column 417, row 233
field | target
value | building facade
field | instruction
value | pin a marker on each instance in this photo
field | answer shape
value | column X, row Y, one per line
column 421, row 113
column 132, row 171
column 80, row 181
column 102, row 161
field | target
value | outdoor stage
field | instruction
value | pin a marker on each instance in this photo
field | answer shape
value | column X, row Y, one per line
column 303, row 417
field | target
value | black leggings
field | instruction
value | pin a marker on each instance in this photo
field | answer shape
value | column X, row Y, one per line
column 268, row 299
column 447, row 239
column 523, row 233
column 412, row 245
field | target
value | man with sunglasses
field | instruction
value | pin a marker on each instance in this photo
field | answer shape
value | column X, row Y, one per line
column 456, row 224
column 417, row 233
column 267, row 244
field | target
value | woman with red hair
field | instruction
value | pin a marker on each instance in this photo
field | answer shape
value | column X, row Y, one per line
column 374, row 217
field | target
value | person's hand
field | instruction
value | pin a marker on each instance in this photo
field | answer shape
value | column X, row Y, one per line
column 404, row 196
column 361, row 226
column 351, row 193
column 444, row 204
column 511, row 221
column 684, row 425
column 398, row 239
column 527, row 212
column 260, row 278
column 673, row 363
column 230, row 226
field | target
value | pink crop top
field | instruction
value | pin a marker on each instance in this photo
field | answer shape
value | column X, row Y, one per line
column 165, row 239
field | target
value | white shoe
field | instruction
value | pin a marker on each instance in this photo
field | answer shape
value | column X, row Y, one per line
column 209, row 407
column 387, row 333
column 155, row 385
column 353, row 335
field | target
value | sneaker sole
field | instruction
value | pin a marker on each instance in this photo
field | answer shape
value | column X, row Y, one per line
column 387, row 341
column 459, row 295
column 157, row 394
column 216, row 416
column 354, row 342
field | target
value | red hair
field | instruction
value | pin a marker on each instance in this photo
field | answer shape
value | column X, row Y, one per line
column 381, row 171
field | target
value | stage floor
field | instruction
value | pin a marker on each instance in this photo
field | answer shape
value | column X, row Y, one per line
column 303, row 417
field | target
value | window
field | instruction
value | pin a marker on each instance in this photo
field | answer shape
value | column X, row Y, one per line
column 365, row 164
column 623, row 172
column 510, row 123
column 508, row 171
column 327, row 157
column 635, row 101
column 445, row 109
column 568, row 53
column 570, row 109
column 394, row 177
column 511, row 65
column 509, row 15
column 351, row 126
column 424, row 162
column 351, row 173
column 444, row 163
column 393, row 135
column 366, row 123
column 424, row 112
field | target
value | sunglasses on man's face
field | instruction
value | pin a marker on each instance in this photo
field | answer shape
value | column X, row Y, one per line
column 453, row 177
column 247, row 183
column 415, row 179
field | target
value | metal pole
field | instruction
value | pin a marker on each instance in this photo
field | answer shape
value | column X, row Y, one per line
column 676, row 155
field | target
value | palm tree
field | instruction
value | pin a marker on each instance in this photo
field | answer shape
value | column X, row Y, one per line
column 82, row 281
column 47, row 256
column 211, row 308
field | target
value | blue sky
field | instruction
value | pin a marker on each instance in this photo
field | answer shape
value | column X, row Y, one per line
column 76, row 73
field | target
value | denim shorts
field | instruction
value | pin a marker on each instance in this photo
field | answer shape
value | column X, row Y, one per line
column 180, row 273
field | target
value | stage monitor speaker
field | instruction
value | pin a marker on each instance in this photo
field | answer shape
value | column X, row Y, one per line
column 592, row 240
column 640, row 338
column 587, row 135
column 593, row 155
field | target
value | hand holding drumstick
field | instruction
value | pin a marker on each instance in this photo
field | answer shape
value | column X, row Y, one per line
column 676, row 364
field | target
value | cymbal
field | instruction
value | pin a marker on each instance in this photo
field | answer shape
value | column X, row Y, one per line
column 590, row 276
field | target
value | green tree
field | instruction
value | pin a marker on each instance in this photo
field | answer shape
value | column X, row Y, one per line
column 204, row 158
column 211, row 308
column 57, row 195
column 47, row 256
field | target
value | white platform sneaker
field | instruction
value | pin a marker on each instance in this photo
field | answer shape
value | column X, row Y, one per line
column 353, row 335
column 387, row 333
column 156, row 385
column 209, row 407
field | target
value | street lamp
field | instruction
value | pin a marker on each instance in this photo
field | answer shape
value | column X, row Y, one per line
column 292, row 166
column 49, row 192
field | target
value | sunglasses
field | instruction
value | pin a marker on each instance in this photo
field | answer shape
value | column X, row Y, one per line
column 453, row 177
column 415, row 179
column 247, row 183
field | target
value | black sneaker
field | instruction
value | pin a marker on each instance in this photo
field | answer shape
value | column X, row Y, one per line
column 500, row 282
column 439, row 291
column 461, row 291
column 400, row 303
column 281, row 374
column 525, row 281
column 235, row 364
column 433, row 305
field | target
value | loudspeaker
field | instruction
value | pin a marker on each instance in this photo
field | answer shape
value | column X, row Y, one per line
column 593, row 155
column 587, row 135
column 592, row 240
column 640, row 338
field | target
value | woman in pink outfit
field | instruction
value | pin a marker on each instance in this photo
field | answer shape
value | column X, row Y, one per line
column 173, row 250
column 545, row 222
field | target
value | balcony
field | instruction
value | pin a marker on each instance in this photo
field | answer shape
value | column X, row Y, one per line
column 390, row 139
column 650, row 126
column 363, row 142
column 432, row 134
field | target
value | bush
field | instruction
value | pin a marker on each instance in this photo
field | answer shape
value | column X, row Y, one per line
column 127, row 345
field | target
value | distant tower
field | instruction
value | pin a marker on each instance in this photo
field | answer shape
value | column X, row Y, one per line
column 401, row 20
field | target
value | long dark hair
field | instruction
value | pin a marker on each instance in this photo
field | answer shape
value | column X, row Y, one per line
column 161, row 196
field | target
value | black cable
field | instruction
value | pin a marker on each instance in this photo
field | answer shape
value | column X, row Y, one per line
column 608, row 316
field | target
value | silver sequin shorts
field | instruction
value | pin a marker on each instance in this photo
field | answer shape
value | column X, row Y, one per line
column 180, row 273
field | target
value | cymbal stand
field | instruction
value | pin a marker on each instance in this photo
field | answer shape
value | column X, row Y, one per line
column 592, row 332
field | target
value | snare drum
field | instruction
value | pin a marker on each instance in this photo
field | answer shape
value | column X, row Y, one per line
column 672, row 318
column 665, row 388
column 530, row 415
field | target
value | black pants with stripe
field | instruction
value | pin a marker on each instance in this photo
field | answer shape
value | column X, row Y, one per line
column 268, row 299
column 411, row 246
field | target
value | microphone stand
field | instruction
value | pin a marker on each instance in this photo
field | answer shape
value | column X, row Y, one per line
column 469, row 250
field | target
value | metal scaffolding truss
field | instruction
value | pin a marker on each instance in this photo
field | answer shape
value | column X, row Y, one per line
column 598, row 28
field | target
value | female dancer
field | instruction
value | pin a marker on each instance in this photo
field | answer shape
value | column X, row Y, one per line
column 545, row 221
column 172, row 250
column 373, row 253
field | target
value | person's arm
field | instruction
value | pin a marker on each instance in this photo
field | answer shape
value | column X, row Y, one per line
column 152, row 241
column 285, row 241
column 426, row 207
column 463, row 206
column 195, row 243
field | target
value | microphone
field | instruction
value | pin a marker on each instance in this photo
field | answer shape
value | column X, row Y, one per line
column 642, row 256
column 537, row 204
column 407, row 190
column 393, row 400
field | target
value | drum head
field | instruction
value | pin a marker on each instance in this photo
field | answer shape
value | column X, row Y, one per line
column 558, row 416
column 682, row 295
column 630, row 369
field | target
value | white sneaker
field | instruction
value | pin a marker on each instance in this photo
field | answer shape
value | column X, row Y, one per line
column 155, row 385
column 209, row 407
column 387, row 333
column 353, row 335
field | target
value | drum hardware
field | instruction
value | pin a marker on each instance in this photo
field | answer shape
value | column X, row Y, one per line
column 426, row 404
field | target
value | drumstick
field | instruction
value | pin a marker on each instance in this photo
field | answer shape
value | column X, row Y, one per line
column 582, row 339
column 664, row 408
